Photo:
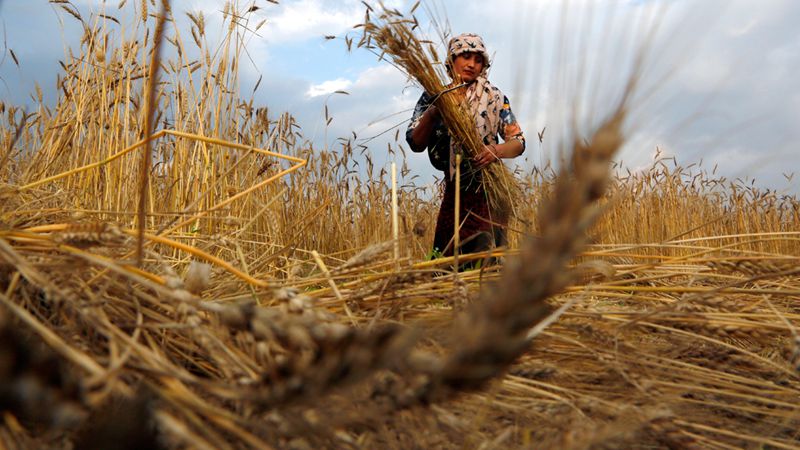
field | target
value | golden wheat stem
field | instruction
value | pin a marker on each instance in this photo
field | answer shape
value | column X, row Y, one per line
column 157, row 135
column 171, row 243
column 332, row 283
column 151, row 99
column 92, row 165
column 599, row 288
column 457, row 212
column 738, row 435
column 395, row 224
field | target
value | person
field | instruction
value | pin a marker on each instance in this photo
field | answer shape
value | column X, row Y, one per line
column 482, row 229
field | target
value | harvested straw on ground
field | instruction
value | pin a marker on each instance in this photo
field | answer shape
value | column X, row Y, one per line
column 391, row 33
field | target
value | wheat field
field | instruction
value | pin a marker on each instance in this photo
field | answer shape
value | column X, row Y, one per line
column 181, row 268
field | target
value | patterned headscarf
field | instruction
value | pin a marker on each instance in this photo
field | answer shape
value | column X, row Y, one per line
column 464, row 43
column 483, row 99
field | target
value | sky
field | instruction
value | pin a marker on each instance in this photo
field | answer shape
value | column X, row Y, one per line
column 717, row 86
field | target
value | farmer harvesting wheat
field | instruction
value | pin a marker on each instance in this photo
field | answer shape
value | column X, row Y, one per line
column 483, row 226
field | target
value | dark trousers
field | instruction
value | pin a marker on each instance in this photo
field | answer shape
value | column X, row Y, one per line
column 479, row 231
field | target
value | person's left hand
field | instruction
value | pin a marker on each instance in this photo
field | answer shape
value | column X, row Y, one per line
column 487, row 156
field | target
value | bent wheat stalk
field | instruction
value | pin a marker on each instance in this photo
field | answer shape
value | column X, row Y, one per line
column 495, row 331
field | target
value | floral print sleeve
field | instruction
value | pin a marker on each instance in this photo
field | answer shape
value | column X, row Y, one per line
column 509, row 127
column 439, row 146
column 423, row 104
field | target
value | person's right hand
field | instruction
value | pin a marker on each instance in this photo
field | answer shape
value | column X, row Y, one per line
column 488, row 155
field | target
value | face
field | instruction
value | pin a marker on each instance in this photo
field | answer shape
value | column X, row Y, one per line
column 468, row 66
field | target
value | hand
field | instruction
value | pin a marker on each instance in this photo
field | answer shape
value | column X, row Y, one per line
column 487, row 156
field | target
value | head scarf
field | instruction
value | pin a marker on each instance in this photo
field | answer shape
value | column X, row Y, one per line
column 483, row 99
column 464, row 43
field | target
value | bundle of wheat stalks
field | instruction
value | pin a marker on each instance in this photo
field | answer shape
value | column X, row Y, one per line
column 391, row 33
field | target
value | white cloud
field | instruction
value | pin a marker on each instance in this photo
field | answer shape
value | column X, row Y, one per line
column 706, row 74
column 377, row 102
column 380, row 76
column 96, row 4
column 297, row 21
column 328, row 87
